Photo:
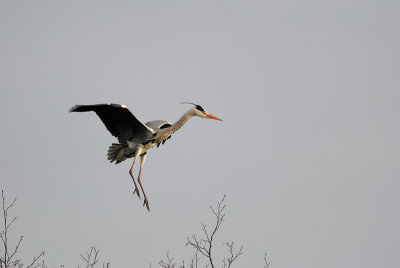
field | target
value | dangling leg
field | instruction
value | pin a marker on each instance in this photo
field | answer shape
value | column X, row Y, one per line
column 130, row 172
column 142, row 160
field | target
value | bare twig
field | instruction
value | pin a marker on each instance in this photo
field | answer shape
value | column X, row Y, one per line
column 8, row 257
column 195, row 260
column 35, row 259
column 90, row 262
column 232, row 256
column 266, row 263
column 204, row 245
column 168, row 263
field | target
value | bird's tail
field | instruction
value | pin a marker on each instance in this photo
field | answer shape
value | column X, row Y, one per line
column 115, row 153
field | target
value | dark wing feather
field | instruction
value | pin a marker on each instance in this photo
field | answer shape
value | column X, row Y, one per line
column 118, row 120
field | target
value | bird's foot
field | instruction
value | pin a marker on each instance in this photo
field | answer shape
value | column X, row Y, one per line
column 137, row 192
column 146, row 203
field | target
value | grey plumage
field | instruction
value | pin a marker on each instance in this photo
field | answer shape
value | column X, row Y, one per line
column 134, row 137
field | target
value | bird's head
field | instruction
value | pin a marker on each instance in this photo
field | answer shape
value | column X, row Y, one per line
column 197, row 110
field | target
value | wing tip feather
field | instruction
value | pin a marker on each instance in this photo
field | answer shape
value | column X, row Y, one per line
column 74, row 109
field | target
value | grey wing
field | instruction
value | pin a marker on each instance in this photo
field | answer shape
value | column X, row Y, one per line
column 118, row 120
column 157, row 125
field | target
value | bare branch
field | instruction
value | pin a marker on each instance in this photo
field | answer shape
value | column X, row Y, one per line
column 195, row 260
column 205, row 245
column 35, row 259
column 199, row 245
column 90, row 262
column 232, row 256
column 7, row 260
column 266, row 263
column 8, row 225
column 16, row 248
column 168, row 263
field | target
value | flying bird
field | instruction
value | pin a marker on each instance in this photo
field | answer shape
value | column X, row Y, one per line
column 134, row 137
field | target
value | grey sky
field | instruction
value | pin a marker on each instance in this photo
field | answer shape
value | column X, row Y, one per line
column 307, row 153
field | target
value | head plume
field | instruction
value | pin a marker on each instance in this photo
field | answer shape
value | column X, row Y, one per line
column 198, row 107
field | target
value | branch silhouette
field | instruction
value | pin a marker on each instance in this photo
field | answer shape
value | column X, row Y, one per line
column 8, row 254
column 204, row 244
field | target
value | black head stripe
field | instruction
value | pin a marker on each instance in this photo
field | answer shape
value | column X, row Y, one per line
column 198, row 107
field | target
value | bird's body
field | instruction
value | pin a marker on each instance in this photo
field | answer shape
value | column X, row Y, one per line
column 119, row 152
column 136, row 138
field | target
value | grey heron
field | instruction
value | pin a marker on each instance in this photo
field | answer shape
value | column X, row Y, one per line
column 134, row 137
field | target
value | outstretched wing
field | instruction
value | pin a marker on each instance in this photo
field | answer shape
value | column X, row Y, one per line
column 118, row 120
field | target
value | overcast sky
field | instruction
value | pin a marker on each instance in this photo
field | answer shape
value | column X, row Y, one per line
column 308, row 152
